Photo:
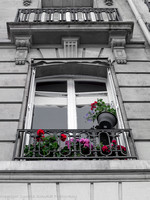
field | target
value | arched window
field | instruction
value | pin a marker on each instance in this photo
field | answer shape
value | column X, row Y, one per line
column 61, row 101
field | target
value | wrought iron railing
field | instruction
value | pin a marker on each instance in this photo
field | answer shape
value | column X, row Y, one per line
column 68, row 15
column 74, row 144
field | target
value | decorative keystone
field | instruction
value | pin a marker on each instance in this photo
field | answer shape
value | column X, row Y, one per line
column 118, row 48
column 26, row 2
column 109, row 2
column 22, row 49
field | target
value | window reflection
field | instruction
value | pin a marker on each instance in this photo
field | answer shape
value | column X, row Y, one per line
column 50, row 117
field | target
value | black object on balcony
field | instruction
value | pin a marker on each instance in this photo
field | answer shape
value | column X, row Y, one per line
column 74, row 144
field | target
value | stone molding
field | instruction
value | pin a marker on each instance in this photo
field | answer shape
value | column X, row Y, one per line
column 22, row 49
column 26, row 2
column 118, row 48
column 70, row 171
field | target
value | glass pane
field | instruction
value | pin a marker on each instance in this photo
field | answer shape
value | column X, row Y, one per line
column 60, row 86
column 84, row 86
column 81, row 118
column 49, row 117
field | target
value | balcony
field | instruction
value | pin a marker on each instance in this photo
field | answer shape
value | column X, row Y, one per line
column 90, row 25
column 74, row 144
column 68, row 15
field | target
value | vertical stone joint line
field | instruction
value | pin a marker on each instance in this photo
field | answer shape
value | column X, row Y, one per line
column 119, row 190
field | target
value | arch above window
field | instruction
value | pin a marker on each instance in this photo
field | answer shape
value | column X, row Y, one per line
column 95, row 68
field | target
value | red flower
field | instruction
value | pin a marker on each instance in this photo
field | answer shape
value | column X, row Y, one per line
column 119, row 147
column 40, row 132
column 63, row 137
column 114, row 141
column 104, row 148
column 39, row 138
column 93, row 105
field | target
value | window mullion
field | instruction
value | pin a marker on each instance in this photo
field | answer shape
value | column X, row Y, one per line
column 72, row 114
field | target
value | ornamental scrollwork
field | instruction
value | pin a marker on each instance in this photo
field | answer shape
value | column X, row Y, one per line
column 109, row 2
column 22, row 49
column 26, row 2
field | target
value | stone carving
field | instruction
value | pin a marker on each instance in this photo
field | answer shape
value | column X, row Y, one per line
column 70, row 47
column 22, row 49
column 118, row 47
column 109, row 2
column 26, row 2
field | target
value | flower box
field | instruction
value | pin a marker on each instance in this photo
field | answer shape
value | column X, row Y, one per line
column 67, row 3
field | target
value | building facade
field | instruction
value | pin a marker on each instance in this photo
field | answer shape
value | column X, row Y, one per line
column 56, row 58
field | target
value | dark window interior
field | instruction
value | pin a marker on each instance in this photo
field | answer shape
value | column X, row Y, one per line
column 86, row 86
column 57, row 86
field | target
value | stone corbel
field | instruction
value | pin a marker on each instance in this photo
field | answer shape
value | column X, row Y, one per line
column 26, row 2
column 22, row 49
column 118, row 48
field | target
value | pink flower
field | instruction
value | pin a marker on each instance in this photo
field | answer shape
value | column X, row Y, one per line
column 86, row 140
column 86, row 145
column 82, row 140
column 77, row 140
column 72, row 139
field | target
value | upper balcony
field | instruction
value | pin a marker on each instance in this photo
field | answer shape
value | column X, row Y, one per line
column 90, row 25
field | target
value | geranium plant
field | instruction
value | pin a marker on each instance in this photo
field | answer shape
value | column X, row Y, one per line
column 111, row 150
column 43, row 145
column 61, row 146
column 83, row 146
column 97, row 108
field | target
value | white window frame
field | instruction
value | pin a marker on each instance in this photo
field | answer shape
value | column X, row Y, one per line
column 72, row 115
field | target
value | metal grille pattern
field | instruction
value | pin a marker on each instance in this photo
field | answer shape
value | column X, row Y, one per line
column 68, row 15
column 75, row 144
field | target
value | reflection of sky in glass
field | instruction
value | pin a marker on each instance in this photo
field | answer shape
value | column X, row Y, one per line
column 48, row 117
column 81, row 114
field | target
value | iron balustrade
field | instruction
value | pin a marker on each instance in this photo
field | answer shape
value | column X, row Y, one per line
column 68, row 15
column 75, row 144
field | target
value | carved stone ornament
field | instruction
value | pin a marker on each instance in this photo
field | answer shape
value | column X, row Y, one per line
column 118, row 48
column 26, row 2
column 109, row 2
column 22, row 49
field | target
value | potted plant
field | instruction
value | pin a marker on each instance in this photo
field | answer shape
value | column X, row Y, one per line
column 104, row 113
